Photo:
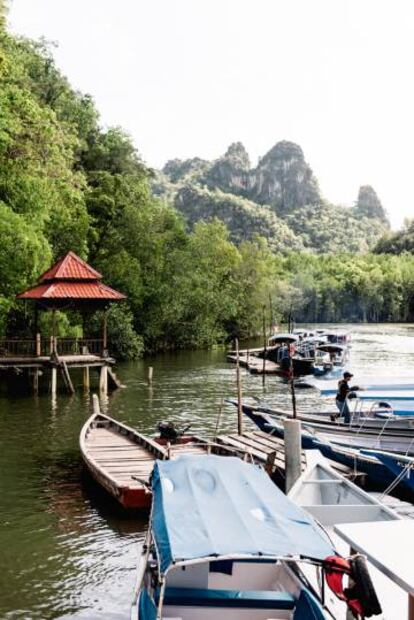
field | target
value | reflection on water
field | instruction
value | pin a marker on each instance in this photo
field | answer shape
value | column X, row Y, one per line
column 67, row 550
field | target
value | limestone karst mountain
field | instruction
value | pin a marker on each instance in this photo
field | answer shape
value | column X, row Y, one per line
column 278, row 199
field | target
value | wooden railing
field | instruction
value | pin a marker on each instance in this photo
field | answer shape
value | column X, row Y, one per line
column 33, row 347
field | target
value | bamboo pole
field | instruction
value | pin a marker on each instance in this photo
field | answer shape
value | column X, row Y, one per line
column 239, row 392
column 218, row 418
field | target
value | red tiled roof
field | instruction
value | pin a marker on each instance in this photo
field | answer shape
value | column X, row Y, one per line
column 70, row 267
column 72, row 290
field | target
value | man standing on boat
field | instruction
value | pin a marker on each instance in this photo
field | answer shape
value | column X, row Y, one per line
column 344, row 392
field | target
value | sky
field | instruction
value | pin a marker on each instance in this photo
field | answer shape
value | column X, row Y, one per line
column 187, row 78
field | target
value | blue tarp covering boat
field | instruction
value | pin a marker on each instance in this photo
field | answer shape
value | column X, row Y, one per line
column 210, row 507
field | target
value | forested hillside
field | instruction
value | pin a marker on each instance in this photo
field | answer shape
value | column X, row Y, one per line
column 199, row 249
column 279, row 199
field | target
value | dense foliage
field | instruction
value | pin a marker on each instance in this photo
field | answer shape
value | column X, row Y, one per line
column 199, row 249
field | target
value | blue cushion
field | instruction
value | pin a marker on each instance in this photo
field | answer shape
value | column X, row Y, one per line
column 308, row 607
column 200, row 597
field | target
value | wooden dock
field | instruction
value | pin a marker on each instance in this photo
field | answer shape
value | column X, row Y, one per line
column 268, row 450
column 255, row 365
column 35, row 368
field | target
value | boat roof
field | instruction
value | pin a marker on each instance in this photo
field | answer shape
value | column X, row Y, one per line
column 284, row 338
column 331, row 346
column 212, row 506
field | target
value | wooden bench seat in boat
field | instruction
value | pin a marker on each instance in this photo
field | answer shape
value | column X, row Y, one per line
column 201, row 597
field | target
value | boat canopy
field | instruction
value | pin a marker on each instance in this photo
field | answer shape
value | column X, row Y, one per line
column 212, row 506
column 284, row 338
column 331, row 347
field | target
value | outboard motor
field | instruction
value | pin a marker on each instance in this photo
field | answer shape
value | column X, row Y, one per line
column 168, row 431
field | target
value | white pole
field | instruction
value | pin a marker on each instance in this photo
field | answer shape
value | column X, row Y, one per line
column 54, row 381
column 293, row 452
column 95, row 404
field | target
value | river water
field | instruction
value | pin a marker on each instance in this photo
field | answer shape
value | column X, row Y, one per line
column 66, row 549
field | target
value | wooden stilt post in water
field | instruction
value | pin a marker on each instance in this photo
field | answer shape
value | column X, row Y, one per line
column 86, row 378
column 264, row 346
column 150, row 374
column 239, row 392
column 36, row 381
column 292, row 434
column 95, row 404
column 103, row 380
column 54, row 381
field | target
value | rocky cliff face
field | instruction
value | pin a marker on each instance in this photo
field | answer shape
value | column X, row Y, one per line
column 284, row 180
column 278, row 199
column 369, row 205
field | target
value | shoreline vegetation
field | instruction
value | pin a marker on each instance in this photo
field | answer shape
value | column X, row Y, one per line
column 200, row 248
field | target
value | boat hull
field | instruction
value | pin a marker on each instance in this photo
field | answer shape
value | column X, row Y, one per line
column 120, row 460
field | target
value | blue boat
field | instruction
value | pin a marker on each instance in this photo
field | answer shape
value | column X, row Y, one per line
column 362, row 461
column 225, row 543
column 400, row 466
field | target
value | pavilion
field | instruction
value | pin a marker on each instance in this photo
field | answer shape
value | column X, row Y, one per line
column 70, row 284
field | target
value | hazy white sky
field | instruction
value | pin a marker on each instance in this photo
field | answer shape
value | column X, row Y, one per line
column 188, row 77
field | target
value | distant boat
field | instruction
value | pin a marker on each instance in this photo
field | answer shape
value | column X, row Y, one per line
column 224, row 542
column 120, row 459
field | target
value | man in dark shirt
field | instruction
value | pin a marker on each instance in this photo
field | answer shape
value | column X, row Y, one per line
column 344, row 392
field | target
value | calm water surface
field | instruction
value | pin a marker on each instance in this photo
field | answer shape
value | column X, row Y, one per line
column 66, row 549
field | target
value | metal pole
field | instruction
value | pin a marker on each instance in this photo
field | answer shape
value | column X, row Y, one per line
column 264, row 346
column 271, row 314
column 292, row 386
column 239, row 392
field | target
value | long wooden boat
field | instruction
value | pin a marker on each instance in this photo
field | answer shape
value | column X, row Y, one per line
column 346, row 438
column 356, row 460
column 360, row 424
column 120, row 459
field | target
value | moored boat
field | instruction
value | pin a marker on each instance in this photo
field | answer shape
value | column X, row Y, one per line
column 225, row 543
column 371, row 422
column 399, row 465
column 120, row 459
column 343, row 435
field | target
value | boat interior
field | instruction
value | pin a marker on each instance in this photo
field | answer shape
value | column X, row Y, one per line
column 333, row 499
column 119, row 453
column 233, row 590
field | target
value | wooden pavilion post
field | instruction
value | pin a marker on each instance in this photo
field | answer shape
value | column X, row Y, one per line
column 105, row 331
